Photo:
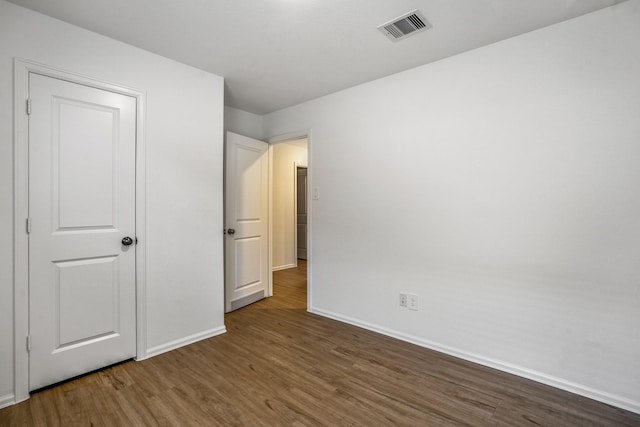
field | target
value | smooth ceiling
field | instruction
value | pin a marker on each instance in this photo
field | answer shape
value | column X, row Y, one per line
column 278, row 53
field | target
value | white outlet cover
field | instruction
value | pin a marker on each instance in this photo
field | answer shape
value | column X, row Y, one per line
column 403, row 300
column 412, row 302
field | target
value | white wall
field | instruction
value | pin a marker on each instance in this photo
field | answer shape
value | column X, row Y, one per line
column 184, row 131
column 242, row 122
column 503, row 187
column 286, row 155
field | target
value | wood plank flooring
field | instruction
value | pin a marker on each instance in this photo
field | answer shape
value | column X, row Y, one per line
column 281, row 366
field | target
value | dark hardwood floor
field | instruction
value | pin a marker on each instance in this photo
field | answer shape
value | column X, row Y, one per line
column 281, row 366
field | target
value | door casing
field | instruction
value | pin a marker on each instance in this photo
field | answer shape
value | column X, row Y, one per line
column 22, row 68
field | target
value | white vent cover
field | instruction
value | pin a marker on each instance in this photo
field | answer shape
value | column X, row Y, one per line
column 404, row 26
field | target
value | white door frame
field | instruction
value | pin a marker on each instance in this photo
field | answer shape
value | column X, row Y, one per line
column 22, row 68
column 273, row 140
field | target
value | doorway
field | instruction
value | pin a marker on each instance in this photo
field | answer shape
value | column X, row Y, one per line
column 244, row 178
column 287, row 158
column 291, row 213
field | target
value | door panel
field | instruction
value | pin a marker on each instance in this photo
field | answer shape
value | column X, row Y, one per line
column 248, row 271
column 84, row 191
column 81, row 205
column 247, row 186
column 98, row 298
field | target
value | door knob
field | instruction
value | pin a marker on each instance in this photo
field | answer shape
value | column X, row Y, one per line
column 127, row 241
column 231, row 231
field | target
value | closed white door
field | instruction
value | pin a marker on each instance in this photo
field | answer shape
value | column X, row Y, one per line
column 246, row 246
column 81, row 206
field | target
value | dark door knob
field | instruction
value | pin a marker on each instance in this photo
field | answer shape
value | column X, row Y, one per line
column 231, row 231
column 127, row 241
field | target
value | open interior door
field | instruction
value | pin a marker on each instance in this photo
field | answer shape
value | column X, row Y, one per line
column 246, row 216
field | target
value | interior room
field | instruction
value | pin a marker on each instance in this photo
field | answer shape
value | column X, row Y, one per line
column 472, row 196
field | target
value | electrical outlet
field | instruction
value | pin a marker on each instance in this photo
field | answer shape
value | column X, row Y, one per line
column 403, row 300
column 412, row 302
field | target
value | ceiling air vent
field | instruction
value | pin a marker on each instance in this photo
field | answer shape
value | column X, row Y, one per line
column 404, row 26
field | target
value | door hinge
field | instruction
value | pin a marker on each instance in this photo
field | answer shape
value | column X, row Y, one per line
column 28, row 342
column 29, row 107
column 28, row 225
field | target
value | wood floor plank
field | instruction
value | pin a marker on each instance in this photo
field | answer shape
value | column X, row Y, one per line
column 279, row 365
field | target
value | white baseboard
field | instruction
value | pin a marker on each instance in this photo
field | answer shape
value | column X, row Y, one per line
column 284, row 267
column 540, row 377
column 7, row 400
column 172, row 345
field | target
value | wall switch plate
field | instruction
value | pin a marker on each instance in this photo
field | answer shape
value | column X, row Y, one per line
column 403, row 300
column 412, row 302
column 315, row 194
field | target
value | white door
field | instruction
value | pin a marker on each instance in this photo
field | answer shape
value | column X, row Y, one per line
column 81, row 205
column 246, row 216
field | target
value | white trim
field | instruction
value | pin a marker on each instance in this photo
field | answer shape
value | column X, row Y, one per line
column 7, row 400
column 20, row 238
column 309, row 219
column 270, row 223
column 295, row 212
column 289, row 136
column 22, row 68
column 172, row 345
column 141, row 225
column 284, row 267
column 540, row 377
